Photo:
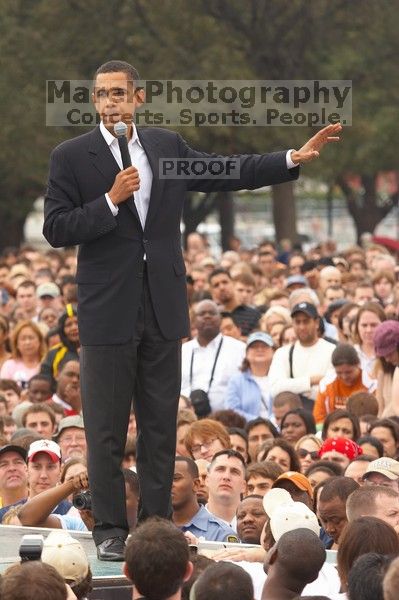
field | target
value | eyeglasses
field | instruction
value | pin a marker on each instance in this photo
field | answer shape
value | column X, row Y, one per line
column 205, row 445
column 302, row 453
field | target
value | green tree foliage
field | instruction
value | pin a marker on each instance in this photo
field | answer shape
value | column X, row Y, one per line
column 201, row 39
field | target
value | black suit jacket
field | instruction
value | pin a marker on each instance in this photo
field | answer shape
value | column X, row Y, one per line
column 111, row 248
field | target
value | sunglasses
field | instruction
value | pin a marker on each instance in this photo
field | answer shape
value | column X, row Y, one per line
column 302, row 453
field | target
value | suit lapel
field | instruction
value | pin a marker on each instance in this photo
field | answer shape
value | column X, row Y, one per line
column 149, row 142
column 103, row 160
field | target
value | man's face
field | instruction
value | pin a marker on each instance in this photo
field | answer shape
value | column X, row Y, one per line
column 116, row 99
column 72, row 442
column 348, row 374
column 202, row 492
column 12, row 399
column 228, row 327
column 267, row 263
column 43, row 473
column 330, row 276
column 384, row 434
column 39, row 390
column 259, row 485
column 380, row 479
column 26, row 298
column 356, row 469
column 222, row 288
column 258, row 434
column 239, row 444
column 251, row 517
column 332, row 515
column 184, row 486
column 306, row 328
column 41, row 423
column 280, row 411
column 387, row 509
column 332, row 294
column 226, row 478
column 69, row 378
column 363, row 295
column 244, row 293
column 13, row 471
column 207, row 319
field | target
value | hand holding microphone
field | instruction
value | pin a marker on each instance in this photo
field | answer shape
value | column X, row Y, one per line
column 127, row 181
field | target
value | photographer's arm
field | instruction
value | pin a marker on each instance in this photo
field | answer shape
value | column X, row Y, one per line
column 37, row 511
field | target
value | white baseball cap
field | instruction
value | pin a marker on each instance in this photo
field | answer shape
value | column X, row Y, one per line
column 286, row 515
column 66, row 555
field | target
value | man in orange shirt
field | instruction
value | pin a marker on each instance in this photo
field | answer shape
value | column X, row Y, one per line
column 346, row 379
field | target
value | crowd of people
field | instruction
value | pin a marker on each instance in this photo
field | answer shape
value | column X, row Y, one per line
column 287, row 430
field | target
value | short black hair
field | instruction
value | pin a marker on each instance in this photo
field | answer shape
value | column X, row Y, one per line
column 366, row 576
column 219, row 271
column 119, row 66
column 191, row 465
column 373, row 441
column 338, row 487
column 261, row 421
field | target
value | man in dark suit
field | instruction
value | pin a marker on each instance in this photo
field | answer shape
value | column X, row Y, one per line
column 132, row 287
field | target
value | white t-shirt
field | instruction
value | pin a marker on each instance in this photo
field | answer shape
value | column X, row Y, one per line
column 327, row 583
column 231, row 355
column 306, row 362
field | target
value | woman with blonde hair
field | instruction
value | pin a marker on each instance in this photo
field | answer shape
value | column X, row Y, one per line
column 275, row 314
column 27, row 351
column 307, row 448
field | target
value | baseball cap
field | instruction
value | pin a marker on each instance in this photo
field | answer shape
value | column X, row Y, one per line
column 13, row 448
column 386, row 337
column 48, row 289
column 298, row 479
column 260, row 336
column 296, row 280
column 49, row 447
column 286, row 515
column 71, row 421
column 307, row 308
column 66, row 555
column 385, row 466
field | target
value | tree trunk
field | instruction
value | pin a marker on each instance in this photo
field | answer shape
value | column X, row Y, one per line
column 284, row 212
column 365, row 207
column 226, row 219
column 195, row 211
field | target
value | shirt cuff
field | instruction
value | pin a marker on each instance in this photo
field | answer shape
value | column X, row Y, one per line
column 114, row 209
column 290, row 164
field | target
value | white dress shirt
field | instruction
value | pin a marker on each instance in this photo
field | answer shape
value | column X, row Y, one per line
column 140, row 161
column 229, row 361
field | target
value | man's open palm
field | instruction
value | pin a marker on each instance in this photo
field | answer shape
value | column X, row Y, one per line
column 311, row 149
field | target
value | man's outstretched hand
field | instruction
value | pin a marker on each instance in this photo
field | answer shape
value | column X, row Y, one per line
column 311, row 149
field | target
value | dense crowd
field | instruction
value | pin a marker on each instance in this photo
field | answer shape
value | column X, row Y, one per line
column 287, row 430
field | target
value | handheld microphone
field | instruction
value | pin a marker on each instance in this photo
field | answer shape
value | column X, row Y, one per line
column 120, row 130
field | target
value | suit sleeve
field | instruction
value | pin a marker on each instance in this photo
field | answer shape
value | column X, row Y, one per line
column 255, row 170
column 67, row 221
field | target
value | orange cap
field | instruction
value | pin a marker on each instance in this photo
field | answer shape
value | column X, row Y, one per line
column 297, row 479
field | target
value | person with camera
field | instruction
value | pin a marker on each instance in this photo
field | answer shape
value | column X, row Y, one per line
column 37, row 512
column 209, row 360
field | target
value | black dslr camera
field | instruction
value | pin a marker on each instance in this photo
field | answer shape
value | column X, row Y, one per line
column 82, row 500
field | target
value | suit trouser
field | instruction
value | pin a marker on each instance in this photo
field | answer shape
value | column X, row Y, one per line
column 148, row 369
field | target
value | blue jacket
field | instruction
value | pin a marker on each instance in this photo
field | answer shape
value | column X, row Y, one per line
column 244, row 396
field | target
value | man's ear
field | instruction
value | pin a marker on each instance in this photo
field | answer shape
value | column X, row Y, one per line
column 196, row 484
column 126, row 572
column 273, row 555
column 189, row 571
